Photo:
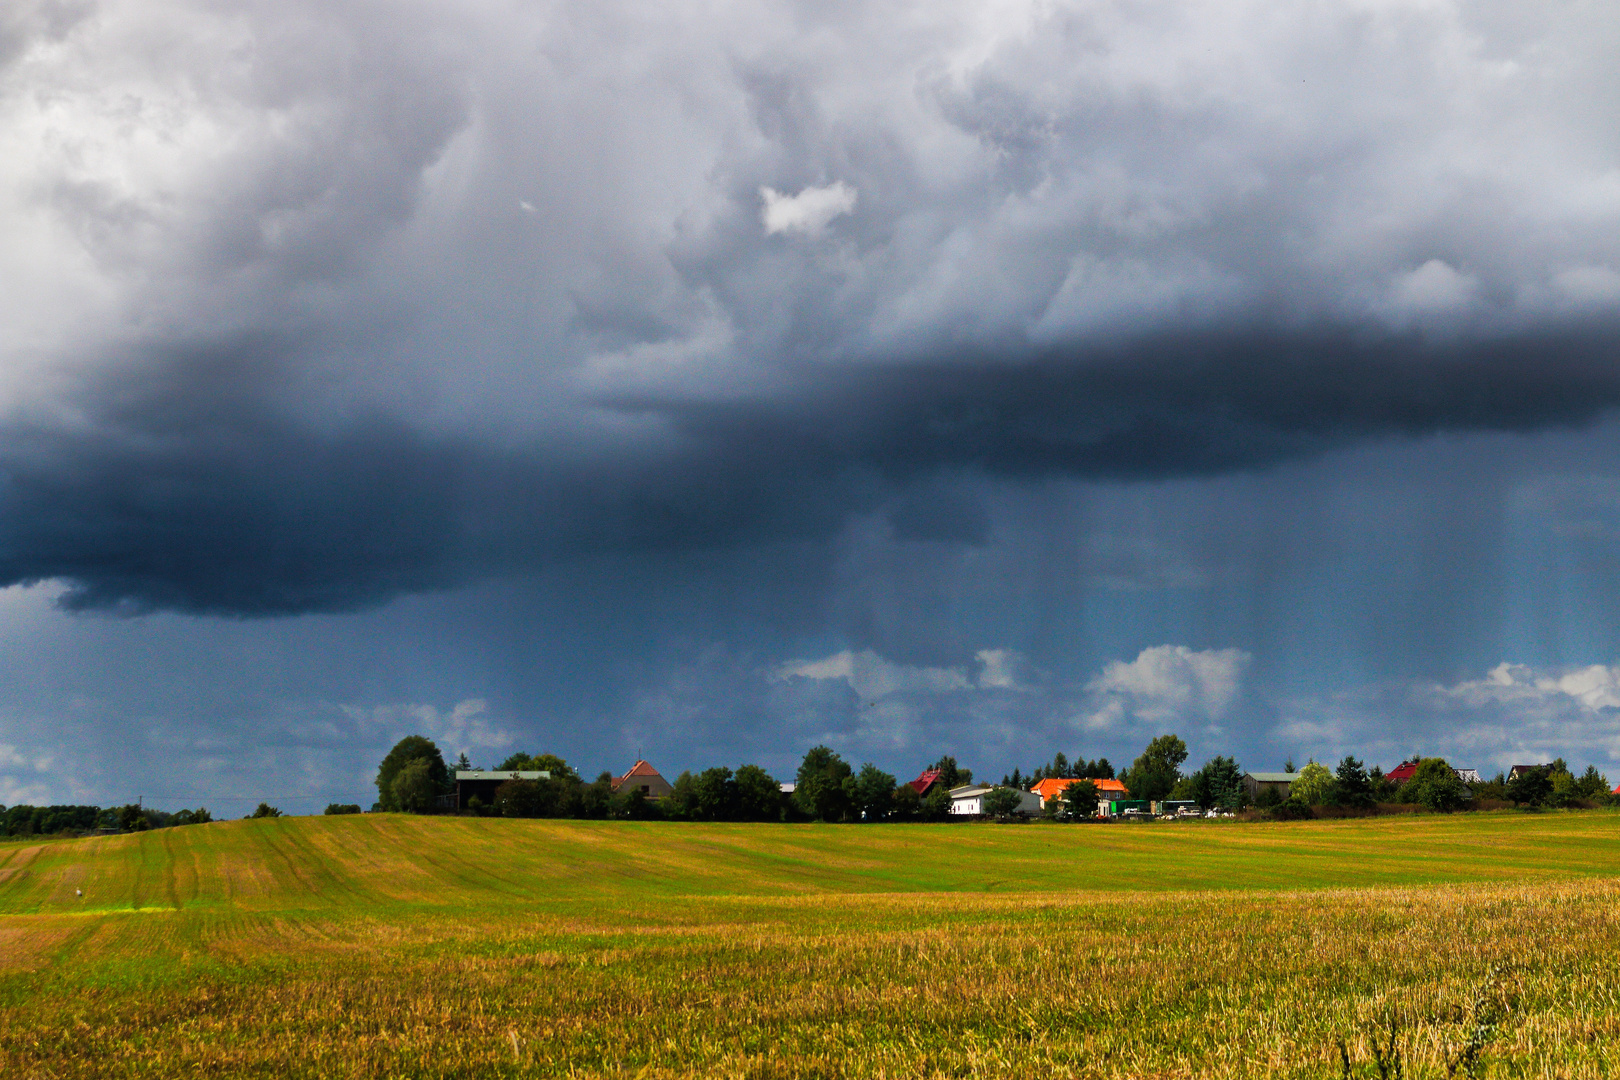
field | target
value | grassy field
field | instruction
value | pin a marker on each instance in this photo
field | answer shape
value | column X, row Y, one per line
column 386, row 945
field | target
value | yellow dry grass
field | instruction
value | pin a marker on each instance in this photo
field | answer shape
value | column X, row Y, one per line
column 422, row 947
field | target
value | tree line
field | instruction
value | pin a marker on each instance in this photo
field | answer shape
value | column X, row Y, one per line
column 25, row 820
column 413, row 777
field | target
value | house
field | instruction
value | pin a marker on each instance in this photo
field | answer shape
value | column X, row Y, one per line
column 925, row 782
column 1113, row 790
column 788, row 787
column 481, row 784
column 1519, row 770
column 1401, row 773
column 1053, row 788
column 645, row 777
column 968, row 800
column 1256, row 782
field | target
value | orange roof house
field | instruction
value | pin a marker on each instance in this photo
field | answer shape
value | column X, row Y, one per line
column 645, row 777
column 1053, row 788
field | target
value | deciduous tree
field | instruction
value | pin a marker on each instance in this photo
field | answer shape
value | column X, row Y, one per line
column 874, row 794
column 1154, row 774
column 825, row 789
column 410, row 748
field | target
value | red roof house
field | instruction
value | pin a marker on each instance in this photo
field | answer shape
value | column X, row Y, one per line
column 1401, row 773
column 645, row 777
column 923, row 783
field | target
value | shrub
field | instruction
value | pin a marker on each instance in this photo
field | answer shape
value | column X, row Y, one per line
column 342, row 808
column 1002, row 802
column 1434, row 784
column 1532, row 787
column 264, row 810
column 525, row 799
column 1312, row 785
column 1292, row 808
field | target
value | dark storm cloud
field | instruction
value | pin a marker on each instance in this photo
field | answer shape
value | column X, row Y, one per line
column 1170, row 406
column 196, row 487
column 424, row 295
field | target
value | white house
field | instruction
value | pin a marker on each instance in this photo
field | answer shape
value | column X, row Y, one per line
column 968, row 800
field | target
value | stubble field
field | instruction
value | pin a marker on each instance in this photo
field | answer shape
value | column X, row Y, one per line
column 384, row 945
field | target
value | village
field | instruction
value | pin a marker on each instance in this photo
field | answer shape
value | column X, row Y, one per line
column 1153, row 788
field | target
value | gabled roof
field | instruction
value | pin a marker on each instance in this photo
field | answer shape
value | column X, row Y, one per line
column 966, row 791
column 1273, row 777
column 1053, row 785
column 639, row 769
column 925, row 781
column 1401, row 773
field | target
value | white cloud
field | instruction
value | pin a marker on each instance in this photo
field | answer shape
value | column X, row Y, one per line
column 464, row 728
column 808, row 212
column 1433, row 292
column 1003, row 669
column 1513, row 714
column 1594, row 688
column 873, row 677
column 1165, row 684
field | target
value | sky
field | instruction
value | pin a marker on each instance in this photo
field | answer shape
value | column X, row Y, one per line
column 705, row 382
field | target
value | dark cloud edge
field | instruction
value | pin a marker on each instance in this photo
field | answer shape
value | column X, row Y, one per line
column 197, row 487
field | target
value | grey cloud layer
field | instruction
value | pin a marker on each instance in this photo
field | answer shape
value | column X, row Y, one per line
column 418, row 293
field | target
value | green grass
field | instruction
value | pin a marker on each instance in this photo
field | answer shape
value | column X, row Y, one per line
column 396, row 946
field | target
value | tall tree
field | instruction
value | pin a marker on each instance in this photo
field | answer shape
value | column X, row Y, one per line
column 1094, row 770
column 410, row 748
column 825, row 789
column 551, row 763
column 1154, row 774
column 759, row 797
column 1219, row 784
column 1080, row 799
column 1351, row 785
column 874, row 794
column 950, row 774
